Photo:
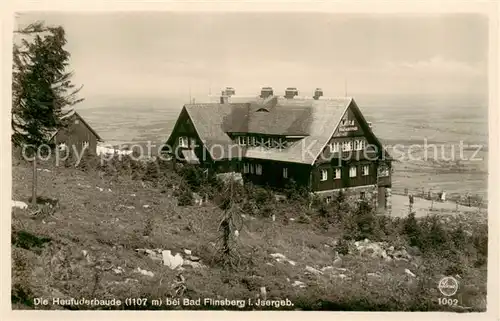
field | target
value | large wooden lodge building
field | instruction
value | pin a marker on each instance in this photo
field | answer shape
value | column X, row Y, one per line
column 323, row 143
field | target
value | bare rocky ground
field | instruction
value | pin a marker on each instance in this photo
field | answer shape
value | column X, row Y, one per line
column 126, row 239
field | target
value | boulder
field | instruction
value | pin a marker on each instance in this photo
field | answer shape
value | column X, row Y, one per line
column 172, row 261
column 144, row 272
column 312, row 270
column 299, row 284
column 410, row 273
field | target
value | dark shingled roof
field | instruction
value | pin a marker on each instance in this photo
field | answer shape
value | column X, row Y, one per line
column 314, row 119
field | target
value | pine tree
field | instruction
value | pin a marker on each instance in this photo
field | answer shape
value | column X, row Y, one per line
column 42, row 90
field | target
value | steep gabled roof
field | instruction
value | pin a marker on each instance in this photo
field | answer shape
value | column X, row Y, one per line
column 72, row 114
column 314, row 119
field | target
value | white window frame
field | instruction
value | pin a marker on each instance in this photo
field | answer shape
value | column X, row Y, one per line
column 335, row 147
column 337, row 173
column 252, row 169
column 324, row 175
column 353, row 171
column 365, row 170
column 285, row 172
column 62, row 146
column 258, row 169
column 358, row 144
column 192, row 142
column 246, row 168
column 183, row 141
column 347, row 146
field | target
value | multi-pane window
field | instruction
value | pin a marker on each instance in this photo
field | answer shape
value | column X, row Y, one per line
column 365, row 170
column 258, row 169
column 246, row 168
column 251, row 168
column 324, row 175
column 359, row 144
column 337, row 173
column 285, row 172
column 352, row 171
column 242, row 140
column 335, row 147
column 183, row 141
column 347, row 146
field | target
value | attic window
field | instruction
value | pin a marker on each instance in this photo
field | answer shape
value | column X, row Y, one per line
column 77, row 121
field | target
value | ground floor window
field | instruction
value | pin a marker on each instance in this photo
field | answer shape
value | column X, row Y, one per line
column 365, row 170
column 352, row 171
column 324, row 175
column 337, row 173
column 285, row 172
column 246, row 168
column 258, row 169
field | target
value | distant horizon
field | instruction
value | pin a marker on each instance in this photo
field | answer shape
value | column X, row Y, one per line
column 110, row 99
column 165, row 53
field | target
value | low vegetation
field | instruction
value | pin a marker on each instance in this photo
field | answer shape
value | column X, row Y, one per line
column 106, row 211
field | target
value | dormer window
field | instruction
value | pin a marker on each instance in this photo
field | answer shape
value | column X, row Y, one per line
column 242, row 140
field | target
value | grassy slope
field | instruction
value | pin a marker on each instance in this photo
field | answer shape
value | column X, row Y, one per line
column 95, row 221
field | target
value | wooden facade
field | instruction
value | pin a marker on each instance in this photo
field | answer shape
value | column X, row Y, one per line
column 352, row 157
column 77, row 136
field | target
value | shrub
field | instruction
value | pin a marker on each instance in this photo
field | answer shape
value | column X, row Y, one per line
column 412, row 230
column 185, row 197
column 342, row 247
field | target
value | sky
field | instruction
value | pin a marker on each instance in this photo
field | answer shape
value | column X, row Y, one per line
column 179, row 54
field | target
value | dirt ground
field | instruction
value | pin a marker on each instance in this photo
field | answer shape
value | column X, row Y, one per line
column 423, row 207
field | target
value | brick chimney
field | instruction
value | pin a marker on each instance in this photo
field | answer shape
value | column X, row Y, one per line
column 318, row 93
column 224, row 98
column 266, row 92
column 291, row 92
column 230, row 91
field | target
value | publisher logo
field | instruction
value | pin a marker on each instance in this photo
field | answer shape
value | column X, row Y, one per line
column 448, row 286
